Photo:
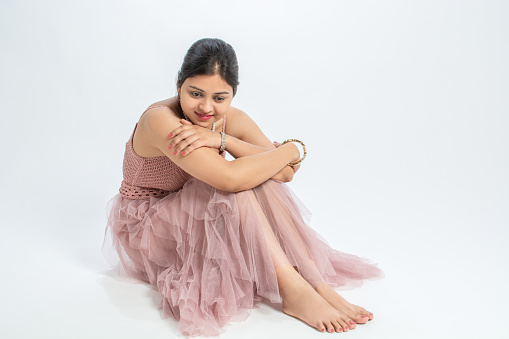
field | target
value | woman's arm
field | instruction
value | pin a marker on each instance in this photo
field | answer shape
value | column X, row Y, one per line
column 207, row 165
column 238, row 148
column 244, row 138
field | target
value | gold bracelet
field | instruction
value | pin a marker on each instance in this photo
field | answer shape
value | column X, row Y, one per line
column 303, row 147
column 223, row 142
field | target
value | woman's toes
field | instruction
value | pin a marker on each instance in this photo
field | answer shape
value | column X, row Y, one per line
column 352, row 325
column 337, row 327
column 360, row 318
column 321, row 327
column 344, row 325
column 329, row 327
column 366, row 313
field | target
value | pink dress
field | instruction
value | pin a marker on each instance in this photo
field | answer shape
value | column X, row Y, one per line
column 206, row 250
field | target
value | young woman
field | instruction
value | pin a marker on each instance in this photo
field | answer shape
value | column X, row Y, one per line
column 213, row 236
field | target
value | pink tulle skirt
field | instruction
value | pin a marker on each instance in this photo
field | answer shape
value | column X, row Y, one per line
column 207, row 251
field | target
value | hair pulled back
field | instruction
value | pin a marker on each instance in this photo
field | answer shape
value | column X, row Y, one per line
column 210, row 56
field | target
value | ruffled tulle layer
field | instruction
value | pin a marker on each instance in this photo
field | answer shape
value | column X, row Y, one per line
column 208, row 252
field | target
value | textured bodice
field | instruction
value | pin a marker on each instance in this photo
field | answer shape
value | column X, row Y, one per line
column 151, row 177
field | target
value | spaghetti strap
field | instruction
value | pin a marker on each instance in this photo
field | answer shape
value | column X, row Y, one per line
column 136, row 125
column 156, row 106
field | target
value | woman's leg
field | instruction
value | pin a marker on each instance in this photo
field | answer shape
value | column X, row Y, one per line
column 284, row 216
column 300, row 299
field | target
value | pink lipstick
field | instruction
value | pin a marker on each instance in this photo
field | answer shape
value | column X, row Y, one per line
column 203, row 117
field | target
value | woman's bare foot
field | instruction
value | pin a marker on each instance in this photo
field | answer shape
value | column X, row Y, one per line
column 354, row 312
column 301, row 301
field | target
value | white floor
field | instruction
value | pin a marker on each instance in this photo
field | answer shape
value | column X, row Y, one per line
column 437, row 285
column 403, row 106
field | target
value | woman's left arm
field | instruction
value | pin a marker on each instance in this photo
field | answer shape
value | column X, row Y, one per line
column 239, row 148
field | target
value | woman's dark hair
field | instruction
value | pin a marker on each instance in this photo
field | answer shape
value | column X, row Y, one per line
column 210, row 57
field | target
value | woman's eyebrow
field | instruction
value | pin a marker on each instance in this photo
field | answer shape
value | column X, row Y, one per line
column 199, row 89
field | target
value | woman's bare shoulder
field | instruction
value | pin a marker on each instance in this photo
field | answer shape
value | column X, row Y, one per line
column 239, row 122
column 234, row 112
column 154, row 125
column 159, row 111
column 171, row 103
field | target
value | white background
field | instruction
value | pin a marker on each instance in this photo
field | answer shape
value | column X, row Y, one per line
column 403, row 105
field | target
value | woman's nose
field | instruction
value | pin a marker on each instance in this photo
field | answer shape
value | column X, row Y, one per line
column 205, row 105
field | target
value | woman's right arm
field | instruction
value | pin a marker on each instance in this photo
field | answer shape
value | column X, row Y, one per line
column 207, row 165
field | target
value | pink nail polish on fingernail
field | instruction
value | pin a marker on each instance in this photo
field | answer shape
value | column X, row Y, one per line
column 169, row 135
column 170, row 147
column 183, row 153
column 175, row 153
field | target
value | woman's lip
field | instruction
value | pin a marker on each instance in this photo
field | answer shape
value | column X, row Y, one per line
column 203, row 116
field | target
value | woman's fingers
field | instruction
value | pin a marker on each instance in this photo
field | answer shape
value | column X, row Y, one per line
column 181, row 128
column 181, row 133
column 187, row 145
column 190, row 148
column 188, row 137
column 190, row 144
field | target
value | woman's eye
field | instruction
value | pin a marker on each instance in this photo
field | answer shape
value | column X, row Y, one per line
column 195, row 94
column 220, row 99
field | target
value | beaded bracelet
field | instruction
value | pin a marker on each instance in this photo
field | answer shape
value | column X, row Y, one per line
column 223, row 142
column 303, row 147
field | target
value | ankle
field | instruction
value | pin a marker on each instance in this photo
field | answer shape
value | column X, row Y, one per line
column 289, row 281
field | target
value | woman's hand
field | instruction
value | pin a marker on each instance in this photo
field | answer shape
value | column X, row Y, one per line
column 188, row 137
column 287, row 173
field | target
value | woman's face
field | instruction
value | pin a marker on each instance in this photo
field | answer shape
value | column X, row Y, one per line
column 205, row 99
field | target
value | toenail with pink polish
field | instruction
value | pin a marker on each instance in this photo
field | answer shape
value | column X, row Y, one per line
column 352, row 323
